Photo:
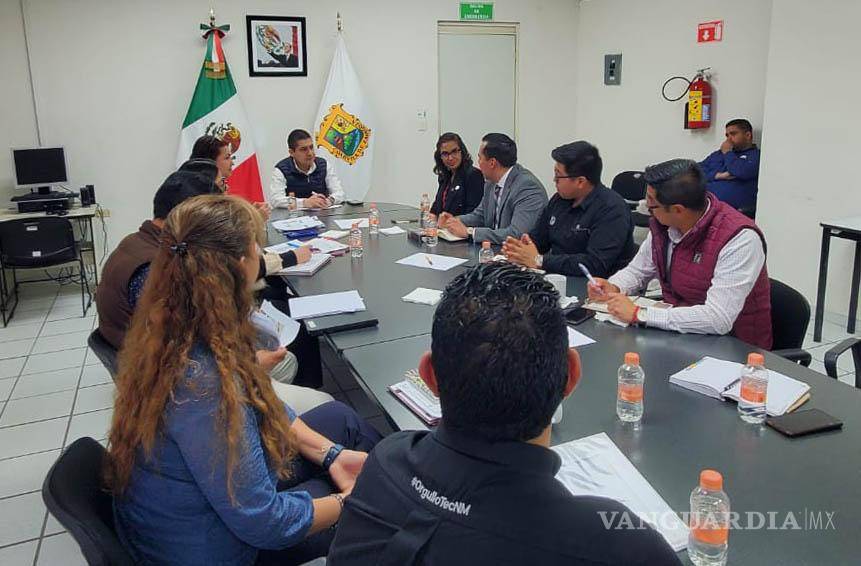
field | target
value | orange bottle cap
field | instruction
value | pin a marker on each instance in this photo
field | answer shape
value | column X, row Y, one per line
column 485, row 244
column 373, row 205
column 355, row 224
column 632, row 359
column 754, row 359
column 711, row 479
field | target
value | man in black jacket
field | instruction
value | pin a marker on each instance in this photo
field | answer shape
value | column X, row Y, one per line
column 480, row 489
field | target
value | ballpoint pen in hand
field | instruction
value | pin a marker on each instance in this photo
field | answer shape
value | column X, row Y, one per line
column 591, row 279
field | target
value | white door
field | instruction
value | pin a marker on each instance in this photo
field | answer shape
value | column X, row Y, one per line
column 477, row 80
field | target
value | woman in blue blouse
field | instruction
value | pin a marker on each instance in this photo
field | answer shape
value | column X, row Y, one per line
column 207, row 465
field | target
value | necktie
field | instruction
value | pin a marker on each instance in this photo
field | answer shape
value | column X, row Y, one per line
column 496, row 192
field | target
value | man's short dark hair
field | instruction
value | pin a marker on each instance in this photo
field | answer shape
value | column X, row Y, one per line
column 678, row 181
column 580, row 159
column 207, row 147
column 296, row 136
column 499, row 352
column 741, row 124
column 500, row 147
column 178, row 187
column 206, row 167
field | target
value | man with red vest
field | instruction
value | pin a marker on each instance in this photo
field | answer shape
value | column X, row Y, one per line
column 708, row 257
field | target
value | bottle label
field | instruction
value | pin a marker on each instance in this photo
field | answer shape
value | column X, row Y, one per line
column 711, row 536
column 630, row 393
column 753, row 392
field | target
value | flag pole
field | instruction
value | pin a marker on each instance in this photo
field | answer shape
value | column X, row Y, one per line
column 340, row 24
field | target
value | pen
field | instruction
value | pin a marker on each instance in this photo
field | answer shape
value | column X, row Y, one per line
column 394, row 221
column 731, row 385
column 591, row 279
column 429, row 260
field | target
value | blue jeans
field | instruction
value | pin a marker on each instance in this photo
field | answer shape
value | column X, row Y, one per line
column 339, row 423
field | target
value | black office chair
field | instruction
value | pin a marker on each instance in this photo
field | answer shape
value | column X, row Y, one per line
column 74, row 495
column 790, row 315
column 631, row 185
column 831, row 358
column 105, row 351
column 38, row 243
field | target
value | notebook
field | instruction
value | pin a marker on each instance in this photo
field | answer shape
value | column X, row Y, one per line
column 413, row 393
column 309, row 268
column 721, row 379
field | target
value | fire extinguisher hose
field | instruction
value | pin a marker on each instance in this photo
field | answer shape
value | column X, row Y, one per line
column 684, row 92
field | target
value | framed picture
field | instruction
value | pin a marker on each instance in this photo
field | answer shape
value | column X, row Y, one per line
column 276, row 46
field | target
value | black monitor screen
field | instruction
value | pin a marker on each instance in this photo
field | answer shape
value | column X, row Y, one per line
column 43, row 166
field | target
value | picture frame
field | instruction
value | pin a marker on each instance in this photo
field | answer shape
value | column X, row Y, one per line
column 276, row 46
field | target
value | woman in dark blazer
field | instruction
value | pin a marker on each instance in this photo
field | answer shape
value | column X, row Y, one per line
column 461, row 185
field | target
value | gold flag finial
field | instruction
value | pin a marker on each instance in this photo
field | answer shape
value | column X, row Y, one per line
column 212, row 17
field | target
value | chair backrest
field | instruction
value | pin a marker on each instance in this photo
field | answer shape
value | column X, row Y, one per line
column 790, row 315
column 105, row 351
column 74, row 495
column 631, row 185
column 37, row 242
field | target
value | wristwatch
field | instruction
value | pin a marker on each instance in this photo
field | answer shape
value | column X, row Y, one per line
column 539, row 261
column 330, row 456
column 641, row 316
column 470, row 232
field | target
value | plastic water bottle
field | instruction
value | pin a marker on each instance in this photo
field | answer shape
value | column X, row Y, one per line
column 424, row 208
column 292, row 204
column 373, row 220
column 754, row 389
column 356, row 248
column 629, row 398
column 430, row 232
column 485, row 254
column 709, row 521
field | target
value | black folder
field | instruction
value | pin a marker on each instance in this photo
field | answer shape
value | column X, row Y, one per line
column 340, row 322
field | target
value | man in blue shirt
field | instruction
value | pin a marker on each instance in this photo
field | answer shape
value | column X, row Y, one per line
column 732, row 172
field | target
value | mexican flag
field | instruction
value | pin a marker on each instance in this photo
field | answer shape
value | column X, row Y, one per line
column 345, row 128
column 216, row 110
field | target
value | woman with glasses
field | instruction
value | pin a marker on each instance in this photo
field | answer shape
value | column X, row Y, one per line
column 461, row 185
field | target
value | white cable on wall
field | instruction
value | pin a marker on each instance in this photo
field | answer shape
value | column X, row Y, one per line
column 30, row 73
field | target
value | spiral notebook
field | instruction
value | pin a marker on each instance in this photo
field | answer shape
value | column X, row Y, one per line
column 413, row 393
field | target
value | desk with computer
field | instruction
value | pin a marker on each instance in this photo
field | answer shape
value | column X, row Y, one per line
column 37, row 231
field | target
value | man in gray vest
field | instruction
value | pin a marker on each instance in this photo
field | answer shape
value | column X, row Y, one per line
column 513, row 196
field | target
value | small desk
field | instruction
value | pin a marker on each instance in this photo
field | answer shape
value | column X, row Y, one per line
column 848, row 229
column 82, row 216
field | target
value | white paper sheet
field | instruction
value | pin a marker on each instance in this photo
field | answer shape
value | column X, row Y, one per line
column 346, row 224
column 393, row 231
column 577, row 339
column 334, row 234
column 330, row 207
column 300, row 223
column 432, row 261
column 326, row 304
column 282, row 247
column 326, row 246
column 595, row 466
column 276, row 323
column 423, row 296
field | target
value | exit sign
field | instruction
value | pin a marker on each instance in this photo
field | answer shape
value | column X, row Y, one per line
column 710, row 31
column 476, row 11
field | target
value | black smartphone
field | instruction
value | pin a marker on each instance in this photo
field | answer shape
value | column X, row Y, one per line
column 578, row 315
column 804, row 422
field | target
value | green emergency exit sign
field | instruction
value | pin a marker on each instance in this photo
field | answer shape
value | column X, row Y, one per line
column 472, row 11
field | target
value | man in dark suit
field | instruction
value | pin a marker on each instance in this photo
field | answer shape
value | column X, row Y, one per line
column 513, row 196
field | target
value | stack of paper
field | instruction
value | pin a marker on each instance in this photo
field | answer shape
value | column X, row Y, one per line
column 348, row 223
column 335, row 234
column 432, row 261
column 308, row 268
column 294, row 224
column 393, row 231
column 721, row 379
column 324, row 305
column 418, row 398
column 595, row 466
column 275, row 323
column 423, row 296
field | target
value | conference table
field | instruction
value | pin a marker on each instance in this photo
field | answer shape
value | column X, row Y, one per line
column 806, row 491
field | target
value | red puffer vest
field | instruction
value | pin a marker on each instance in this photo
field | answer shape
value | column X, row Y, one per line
column 693, row 263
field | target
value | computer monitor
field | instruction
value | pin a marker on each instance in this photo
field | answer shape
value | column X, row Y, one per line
column 40, row 167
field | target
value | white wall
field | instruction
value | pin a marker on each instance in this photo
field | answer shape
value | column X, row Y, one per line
column 114, row 79
column 17, row 121
column 811, row 146
column 631, row 124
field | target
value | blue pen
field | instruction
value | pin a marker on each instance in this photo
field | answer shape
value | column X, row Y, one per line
column 294, row 245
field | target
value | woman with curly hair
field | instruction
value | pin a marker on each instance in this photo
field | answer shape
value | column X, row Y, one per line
column 206, row 464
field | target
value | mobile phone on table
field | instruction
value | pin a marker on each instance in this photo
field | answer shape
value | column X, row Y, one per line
column 805, row 422
column 577, row 315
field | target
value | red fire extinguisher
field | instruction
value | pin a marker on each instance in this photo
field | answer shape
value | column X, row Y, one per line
column 698, row 110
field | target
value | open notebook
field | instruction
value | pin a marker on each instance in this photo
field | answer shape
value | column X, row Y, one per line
column 721, row 379
column 310, row 267
column 413, row 393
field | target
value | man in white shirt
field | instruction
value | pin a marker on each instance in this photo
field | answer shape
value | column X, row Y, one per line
column 311, row 178
column 708, row 257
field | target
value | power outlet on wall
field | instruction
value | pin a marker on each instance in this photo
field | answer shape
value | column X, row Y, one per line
column 613, row 69
column 422, row 118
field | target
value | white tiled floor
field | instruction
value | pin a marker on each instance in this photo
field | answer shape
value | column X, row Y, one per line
column 53, row 390
column 49, row 396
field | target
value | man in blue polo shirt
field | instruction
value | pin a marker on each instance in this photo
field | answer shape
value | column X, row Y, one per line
column 732, row 172
column 481, row 487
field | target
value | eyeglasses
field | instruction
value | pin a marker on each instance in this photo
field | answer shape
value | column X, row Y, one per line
column 447, row 154
column 557, row 177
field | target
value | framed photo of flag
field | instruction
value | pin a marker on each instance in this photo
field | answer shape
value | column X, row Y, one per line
column 276, row 46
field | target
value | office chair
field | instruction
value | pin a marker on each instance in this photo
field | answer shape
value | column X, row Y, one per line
column 632, row 187
column 38, row 243
column 790, row 315
column 105, row 351
column 831, row 358
column 74, row 495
